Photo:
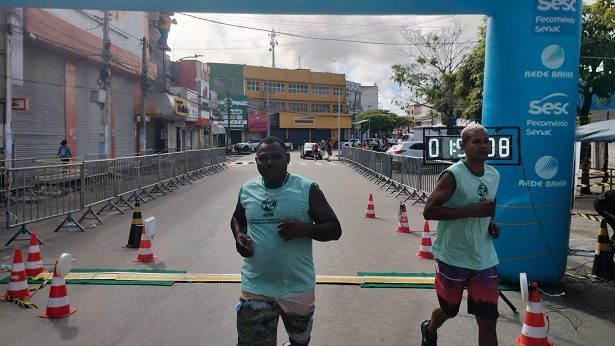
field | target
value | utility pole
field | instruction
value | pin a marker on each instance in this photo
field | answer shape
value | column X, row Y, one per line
column 104, row 82
column 267, row 108
column 7, row 94
column 339, row 131
column 272, row 42
column 142, row 140
column 228, row 103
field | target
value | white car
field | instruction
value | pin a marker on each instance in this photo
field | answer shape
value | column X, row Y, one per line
column 351, row 143
column 411, row 148
column 306, row 151
column 249, row 145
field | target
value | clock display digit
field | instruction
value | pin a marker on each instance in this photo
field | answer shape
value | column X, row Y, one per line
column 504, row 147
column 492, row 145
column 434, row 147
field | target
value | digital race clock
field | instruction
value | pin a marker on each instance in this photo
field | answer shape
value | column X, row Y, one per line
column 441, row 145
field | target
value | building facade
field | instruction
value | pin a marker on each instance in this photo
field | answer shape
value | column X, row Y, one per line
column 58, row 68
column 369, row 97
column 297, row 105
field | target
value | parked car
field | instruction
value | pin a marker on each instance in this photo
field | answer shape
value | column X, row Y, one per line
column 306, row 151
column 351, row 143
column 410, row 148
column 249, row 145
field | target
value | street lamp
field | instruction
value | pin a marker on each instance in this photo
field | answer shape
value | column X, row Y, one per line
column 189, row 56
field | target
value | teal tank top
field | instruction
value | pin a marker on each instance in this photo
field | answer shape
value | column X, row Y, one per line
column 278, row 267
column 466, row 242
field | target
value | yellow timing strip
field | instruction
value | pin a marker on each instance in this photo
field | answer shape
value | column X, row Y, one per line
column 590, row 217
column 235, row 278
column 595, row 184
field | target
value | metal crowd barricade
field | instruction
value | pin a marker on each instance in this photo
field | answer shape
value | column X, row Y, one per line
column 402, row 175
column 98, row 187
column 40, row 192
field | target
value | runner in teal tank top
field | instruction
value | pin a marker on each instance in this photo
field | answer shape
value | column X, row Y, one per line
column 276, row 218
column 463, row 202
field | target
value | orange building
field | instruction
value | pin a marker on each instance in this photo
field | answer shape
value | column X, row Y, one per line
column 302, row 104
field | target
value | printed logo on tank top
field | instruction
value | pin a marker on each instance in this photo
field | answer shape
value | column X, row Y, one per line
column 482, row 190
column 269, row 206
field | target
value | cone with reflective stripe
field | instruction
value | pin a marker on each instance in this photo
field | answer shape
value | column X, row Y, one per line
column 18, row 284
column 34, row 262
column 58, row 305
column 603, row 266
column 425, row 246
column 370, row 213
column 145, row 248
column 533, row 332
column 135, row 232
column 403, row 220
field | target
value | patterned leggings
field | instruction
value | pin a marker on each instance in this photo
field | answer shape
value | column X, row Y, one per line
column 257, row 322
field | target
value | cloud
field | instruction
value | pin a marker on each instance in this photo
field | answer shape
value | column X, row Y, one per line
column 367, row 62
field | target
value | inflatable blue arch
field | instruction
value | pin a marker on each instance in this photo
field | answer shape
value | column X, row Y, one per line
column 531, row 71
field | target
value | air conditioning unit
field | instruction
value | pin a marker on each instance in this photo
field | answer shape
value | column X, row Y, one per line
column 98, row 96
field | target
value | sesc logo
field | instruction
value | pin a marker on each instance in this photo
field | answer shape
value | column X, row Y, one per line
column 557, row 5
column 549, row 105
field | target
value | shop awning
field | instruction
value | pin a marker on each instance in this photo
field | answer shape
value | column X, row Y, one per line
column 166, row 106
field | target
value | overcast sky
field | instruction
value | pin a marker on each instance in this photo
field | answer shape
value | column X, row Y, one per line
column 244, row 39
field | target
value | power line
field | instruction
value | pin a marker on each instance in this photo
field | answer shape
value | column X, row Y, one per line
column 312, row 37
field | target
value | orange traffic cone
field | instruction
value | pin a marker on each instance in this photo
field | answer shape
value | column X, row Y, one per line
column 370, row 213
column 34, row 262
column 403, row 220
column 425, row 247
column 145, row 253
column 57, row 305
column 18, row 284
column 533, row 332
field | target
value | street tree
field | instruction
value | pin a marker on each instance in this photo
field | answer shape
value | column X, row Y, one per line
column 384, row 122
column 597, row 68
column 430, row 79
column 470, row 78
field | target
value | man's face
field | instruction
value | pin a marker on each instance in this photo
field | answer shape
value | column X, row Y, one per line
column 477, row 146
column 272, row 161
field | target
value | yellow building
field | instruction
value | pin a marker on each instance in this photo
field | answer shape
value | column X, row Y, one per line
column 302, row 104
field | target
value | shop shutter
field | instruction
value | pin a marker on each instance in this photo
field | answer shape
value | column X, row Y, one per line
column 38, row 131
column 88, row 113
column 123, row 95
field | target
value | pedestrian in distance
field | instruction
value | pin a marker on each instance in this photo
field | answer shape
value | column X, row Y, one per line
column 329, row 148
column 64, row 154
column 276, row 218
column 464, row 203
column 315, row 150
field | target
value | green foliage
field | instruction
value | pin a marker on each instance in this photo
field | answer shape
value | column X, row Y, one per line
column 470, row 77
column 597, row 67
column 430, row 80
column 384, row 121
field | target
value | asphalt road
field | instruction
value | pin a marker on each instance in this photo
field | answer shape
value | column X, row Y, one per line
column 194, row 235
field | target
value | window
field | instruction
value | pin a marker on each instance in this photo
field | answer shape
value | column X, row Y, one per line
column 335, row 108
column 337, row 91
column 253, row 85
column 297, row 88
column 226, row 83
column 320, row 90
column 320, row 108
column 297, row 107
column 274, row 87
column 275, row 106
